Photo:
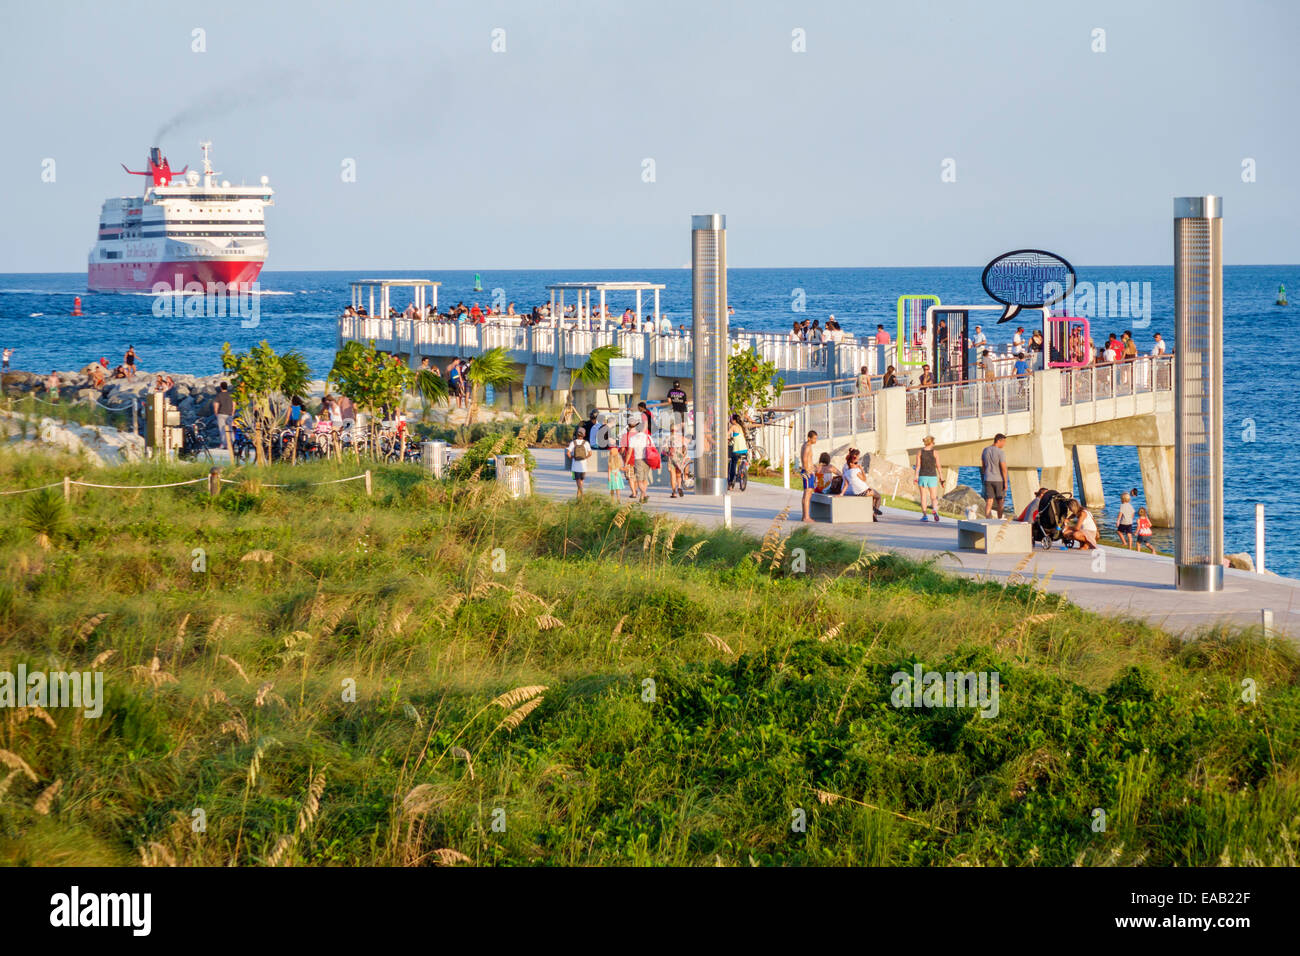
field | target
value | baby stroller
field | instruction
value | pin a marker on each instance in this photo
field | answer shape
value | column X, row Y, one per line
column 1050, row 518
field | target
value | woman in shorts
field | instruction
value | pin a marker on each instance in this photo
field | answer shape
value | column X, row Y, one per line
column 927, row 476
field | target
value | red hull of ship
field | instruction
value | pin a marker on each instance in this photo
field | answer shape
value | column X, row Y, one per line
column 143, row 276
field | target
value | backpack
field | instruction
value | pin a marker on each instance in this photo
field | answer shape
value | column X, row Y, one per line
column 652, row 455
column 580, row 450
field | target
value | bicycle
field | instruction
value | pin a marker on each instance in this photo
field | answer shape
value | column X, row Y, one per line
column 742, row 472
column 194, row 440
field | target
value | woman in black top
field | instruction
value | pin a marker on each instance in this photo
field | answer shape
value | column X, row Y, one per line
column 890, row 378
column 927, row 476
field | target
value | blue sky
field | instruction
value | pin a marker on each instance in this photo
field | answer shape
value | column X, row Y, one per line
column 533, row 158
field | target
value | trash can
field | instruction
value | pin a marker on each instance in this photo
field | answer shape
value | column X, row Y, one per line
column 433, row 455
column 513, row 473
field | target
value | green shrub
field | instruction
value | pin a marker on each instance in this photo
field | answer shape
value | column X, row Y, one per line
column 480, row 456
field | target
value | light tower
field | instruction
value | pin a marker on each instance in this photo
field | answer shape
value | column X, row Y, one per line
column 709, row 337
column 1198, row 393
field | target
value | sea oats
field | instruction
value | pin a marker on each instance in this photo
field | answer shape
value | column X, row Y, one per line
column 718, row 643
column 155, row 854
column 88, row 626
column 449, row 857
column 46, row 799
column 235, row 664
column 516, row 717
column 236, row 725
column 513, row 698
column 34, row 711
column 831, row 633
column 102, row 658
column 463, row 754
column 15, row 762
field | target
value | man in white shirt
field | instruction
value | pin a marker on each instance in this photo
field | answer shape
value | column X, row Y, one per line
column 1159, row 347
column 665, row 325
column 1018, row 340
column 979, row 341
column 637, row 443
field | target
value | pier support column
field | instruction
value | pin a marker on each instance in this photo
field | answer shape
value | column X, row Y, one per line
column 1088, row 472
column 1156, row 463
column 1023, row 483
column 891, row 425
column 1059, row 479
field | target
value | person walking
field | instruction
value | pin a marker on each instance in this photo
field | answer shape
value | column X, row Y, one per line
column 807, row 471
column 1125, row 520
column 615, row 470
column 927, row 476
column 224, row 405
column 579, row 455
column 677, row 458
column 677, row 399
column 993, row 469
column 638, row 444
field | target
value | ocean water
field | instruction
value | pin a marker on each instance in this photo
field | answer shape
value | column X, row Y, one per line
column 298, row 310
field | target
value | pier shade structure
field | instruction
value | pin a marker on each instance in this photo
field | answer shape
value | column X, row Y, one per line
column 1198, row 390
column 583, row 317
column 712, row 350
column 424, row 292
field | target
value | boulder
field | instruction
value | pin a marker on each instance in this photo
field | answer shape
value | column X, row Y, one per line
column 1241, row 561
column 100, row 444
column 960, row 499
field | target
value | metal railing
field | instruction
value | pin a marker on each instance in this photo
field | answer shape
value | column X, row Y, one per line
column 1117, row 379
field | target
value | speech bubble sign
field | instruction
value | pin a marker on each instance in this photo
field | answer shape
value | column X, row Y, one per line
column 1027, row 278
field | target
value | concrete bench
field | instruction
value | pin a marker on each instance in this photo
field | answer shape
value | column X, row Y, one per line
column 840, row 509
column 993, row 536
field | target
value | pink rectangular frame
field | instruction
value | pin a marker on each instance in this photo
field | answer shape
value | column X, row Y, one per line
column 1067, row 320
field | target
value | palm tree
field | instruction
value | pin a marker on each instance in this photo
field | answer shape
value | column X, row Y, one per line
column 594, row 372
column 493, row 368
column 433, row 389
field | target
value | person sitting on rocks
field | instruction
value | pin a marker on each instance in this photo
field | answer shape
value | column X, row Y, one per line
column 52, row 384
column 96, row 375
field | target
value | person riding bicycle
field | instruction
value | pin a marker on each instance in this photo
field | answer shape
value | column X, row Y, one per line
column 738, row 447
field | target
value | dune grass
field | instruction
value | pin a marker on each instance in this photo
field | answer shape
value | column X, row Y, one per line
column 437, row 675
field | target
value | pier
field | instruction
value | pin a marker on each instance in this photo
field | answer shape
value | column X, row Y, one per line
column 1053, row 418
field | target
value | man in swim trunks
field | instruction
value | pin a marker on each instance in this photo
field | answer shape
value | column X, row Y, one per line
column 807, row 472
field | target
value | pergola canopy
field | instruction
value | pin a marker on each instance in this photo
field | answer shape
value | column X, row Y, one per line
column 585, row 289
column 419, row 289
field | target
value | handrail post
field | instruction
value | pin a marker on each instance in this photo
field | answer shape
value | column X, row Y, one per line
column 1259, row 537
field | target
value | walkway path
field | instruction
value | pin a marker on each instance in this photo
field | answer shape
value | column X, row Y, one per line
column 1132, row 585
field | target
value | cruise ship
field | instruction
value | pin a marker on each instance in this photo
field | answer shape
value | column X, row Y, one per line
column 186, row 228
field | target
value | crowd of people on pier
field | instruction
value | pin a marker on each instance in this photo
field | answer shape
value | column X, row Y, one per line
column 539, row 315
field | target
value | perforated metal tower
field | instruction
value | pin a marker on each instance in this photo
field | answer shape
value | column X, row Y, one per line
column 1198, row 393
column 709, row 337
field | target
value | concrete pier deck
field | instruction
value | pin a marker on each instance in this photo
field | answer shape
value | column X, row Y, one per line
column 1132, row 585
